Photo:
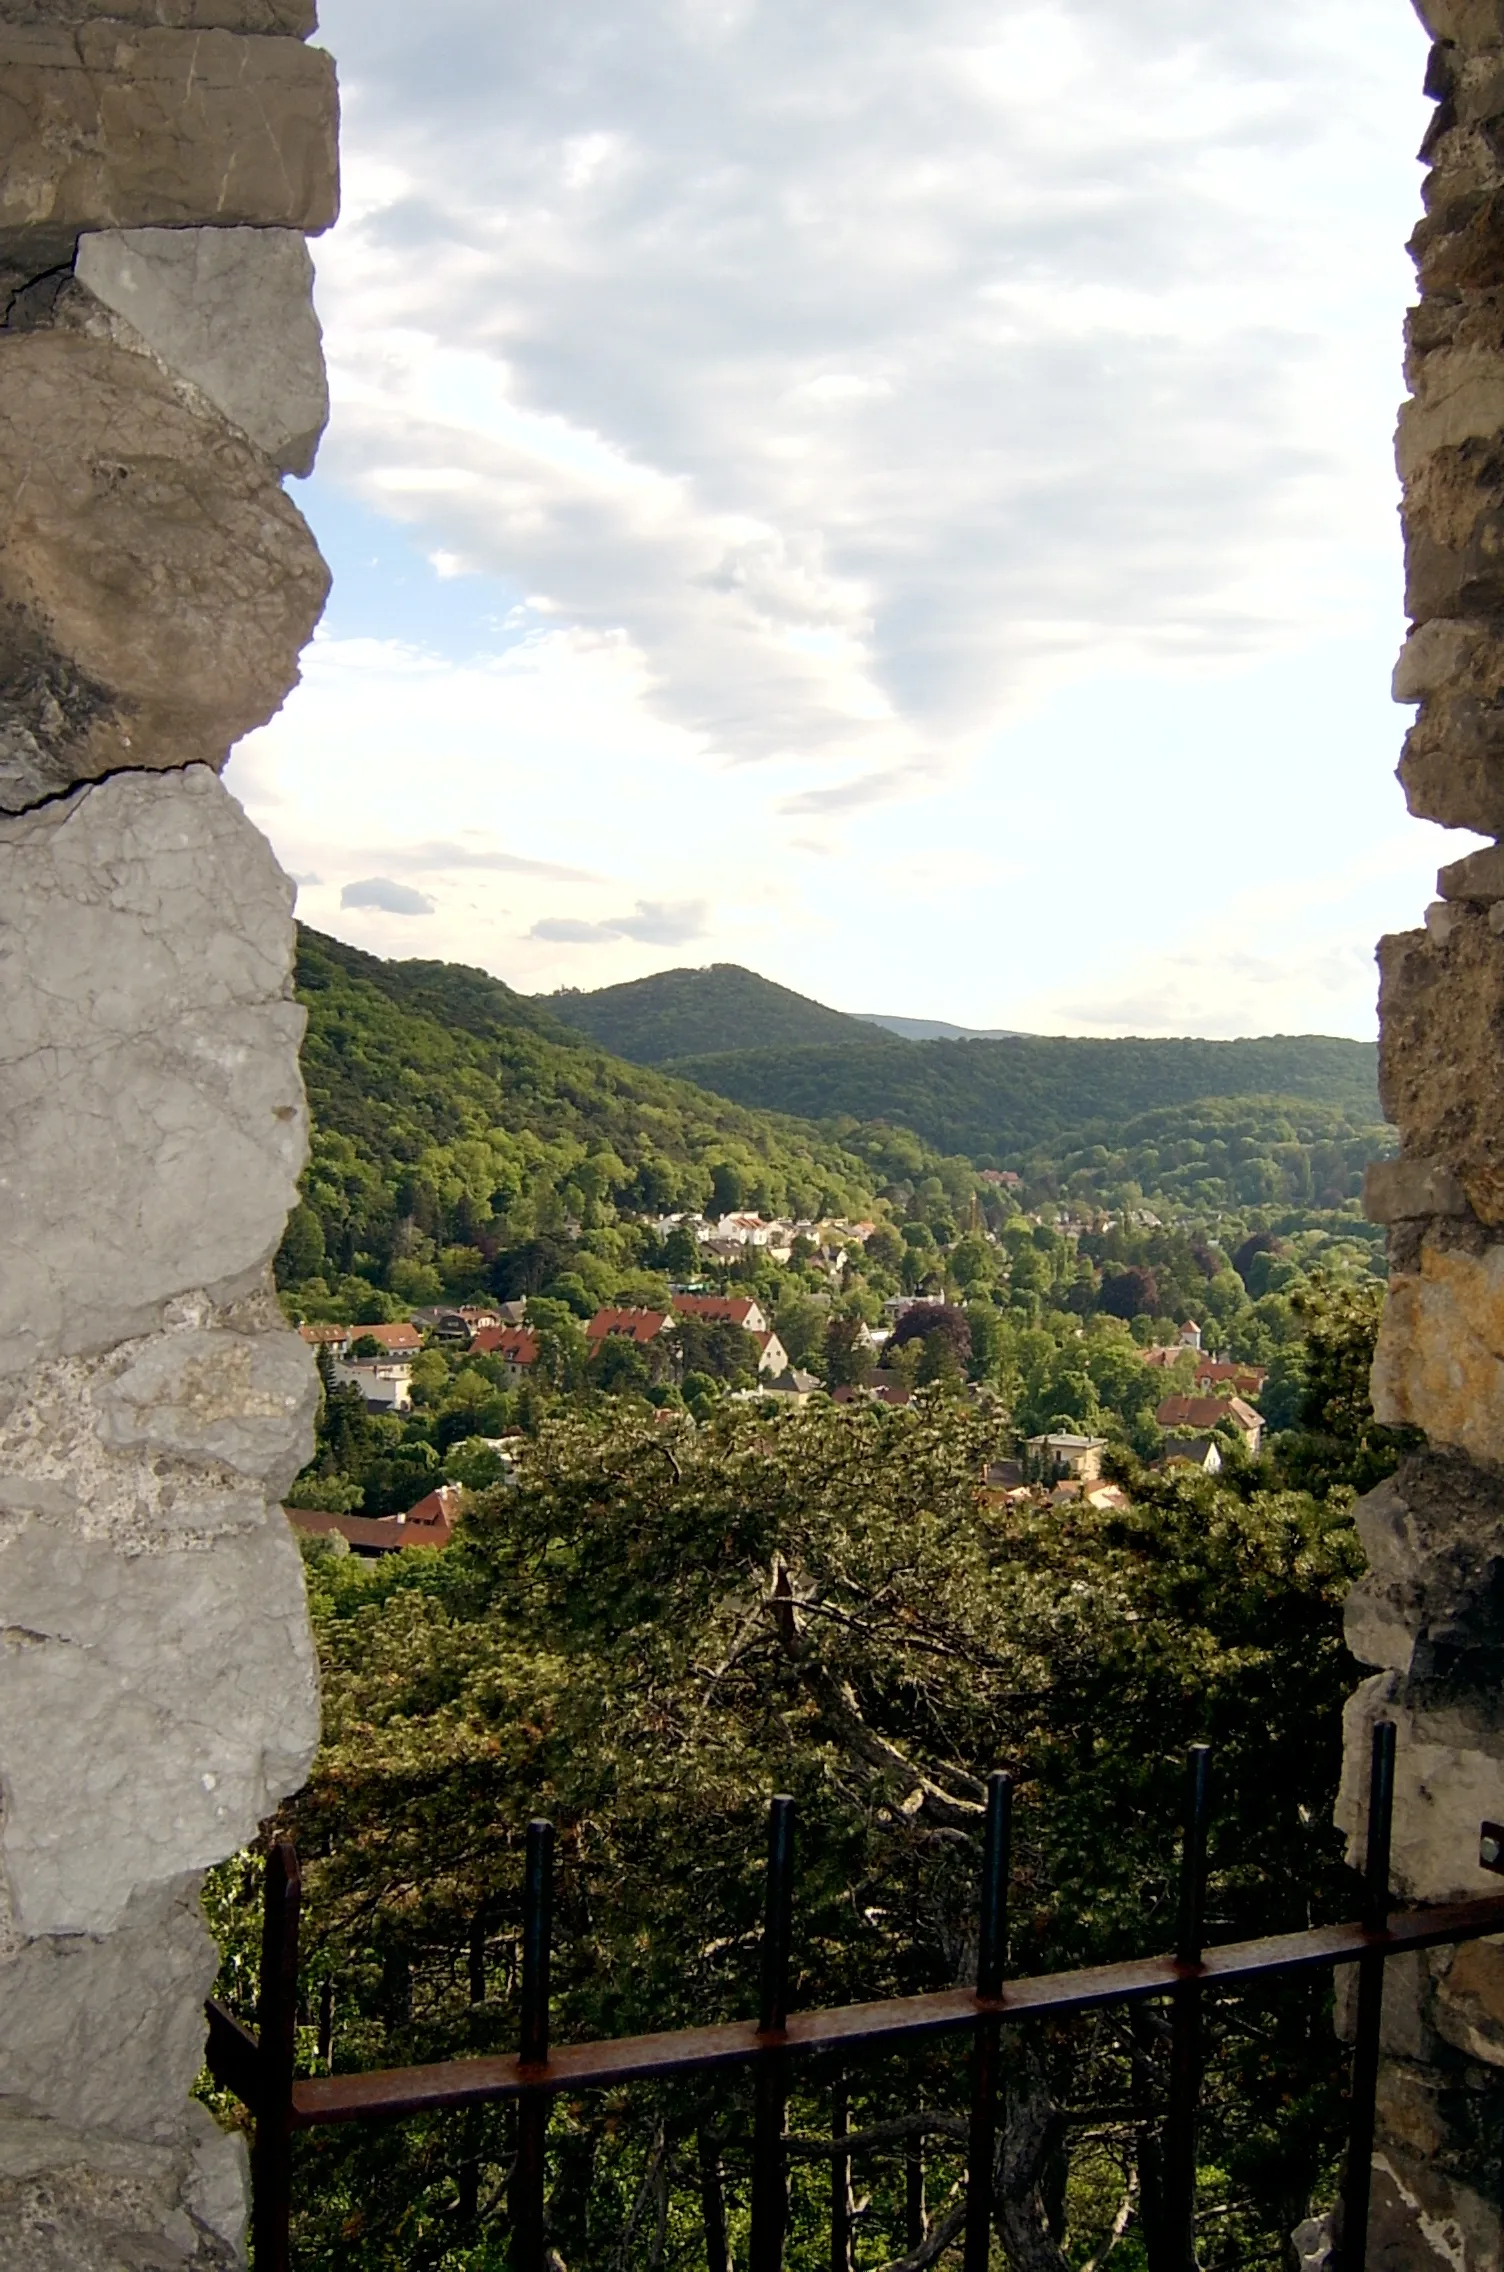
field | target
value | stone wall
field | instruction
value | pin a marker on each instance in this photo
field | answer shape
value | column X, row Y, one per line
column 1429, row 1617
column 160, row 371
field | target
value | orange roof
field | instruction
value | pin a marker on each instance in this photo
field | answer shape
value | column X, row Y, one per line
column 517, row 1343
column 1205, row 1412
column 626, row 1325
column 436, row 1512
column 396, row 1340
column 720, row 1309
column 322, row 1335
column 1214, row 1369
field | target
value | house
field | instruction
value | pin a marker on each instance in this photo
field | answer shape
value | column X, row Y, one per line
column 395, row 1340
column 641, row 1326
column 722, row 1309
column 335, row 1338
column 1001, row 1179
column 1164, row 1355
column 1200, row 1414
column 429, row 1523
column 1189, row 1336
column 1061, row 1455
column 1220, row 1376
column 515, row 1347
column 797, row 1387
column 772, row 1357
column 385, row 1384
column 1108, row 1496
column 1193, row 1451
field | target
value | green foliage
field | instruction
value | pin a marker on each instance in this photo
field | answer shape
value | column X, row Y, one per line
column 1001, row 1099
column 598, row 1645
column 677, row 1013
column 452, row 1118
column 1336, row 1441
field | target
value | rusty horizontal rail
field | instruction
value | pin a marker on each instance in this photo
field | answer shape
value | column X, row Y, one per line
column 590, row 2066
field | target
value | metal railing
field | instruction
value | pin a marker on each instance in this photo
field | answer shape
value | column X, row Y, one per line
column 260, row 2069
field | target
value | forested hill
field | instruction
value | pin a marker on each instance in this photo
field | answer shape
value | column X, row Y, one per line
column 441, row 1097
column 678, row 1013
column 995, row 1100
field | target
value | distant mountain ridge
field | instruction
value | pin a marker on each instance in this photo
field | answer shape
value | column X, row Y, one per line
column 934, row 1029
column 684, row 1013
column 999, row 1099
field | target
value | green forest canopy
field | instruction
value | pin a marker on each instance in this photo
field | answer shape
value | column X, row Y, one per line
column 676, row 1013
column 993, row 1100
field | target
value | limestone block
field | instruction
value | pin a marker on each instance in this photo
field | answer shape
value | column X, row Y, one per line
column 1439, row 1360
column 1422, row 2219
column 79, row 2219
column 1461, row 397
column 109, row 126
column 1478, row 877
column 1432, row 1601
column 1452, row 463
column 295, row 17
column 153, row 1124
column 246, row 1401
column 232, row 310
column 1474, row 25
column 1449, row 1777
column 1468, row 2004
column 1441, row 1069
column 156, row 587
column 1401, row 1190
column 155, row 1709
column 1453, row 766
column 104, row 2036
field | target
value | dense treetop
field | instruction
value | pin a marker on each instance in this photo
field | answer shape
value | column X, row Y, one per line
column 676, row 1013
column 998, row 1099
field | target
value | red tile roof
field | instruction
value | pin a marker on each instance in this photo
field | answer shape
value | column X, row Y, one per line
column 1206, row 1411
column 720, row 1309
column 626, row 1325
column 517, row 1343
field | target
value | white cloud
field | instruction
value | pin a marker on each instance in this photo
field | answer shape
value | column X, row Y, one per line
column 391, row 899
column 846, row 387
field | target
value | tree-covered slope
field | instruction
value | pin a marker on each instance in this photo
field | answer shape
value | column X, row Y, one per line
column 1000, row 1099
column 441, row 1098
column 683, row 1013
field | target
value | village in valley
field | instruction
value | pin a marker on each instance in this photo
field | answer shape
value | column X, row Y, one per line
column 1205, row 1406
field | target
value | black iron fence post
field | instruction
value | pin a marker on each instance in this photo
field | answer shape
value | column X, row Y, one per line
column 770, row 2199
column 986, row 2059
column 1185, row 2022
column 1352, row 2231
column 277, row 2037
column 528, row 2238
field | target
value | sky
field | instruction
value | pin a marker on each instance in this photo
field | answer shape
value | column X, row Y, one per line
column 897, row 496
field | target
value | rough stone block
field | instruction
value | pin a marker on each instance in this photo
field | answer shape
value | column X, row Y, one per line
column 1441, row 1069
column 1421, row 2219
column 82, row 2219
column 1461, row 398
column 156, row 587
column 296, row 18
column 1479, row 877
column 1468, row 2002
column 1432, row 1602
column 1474, row 25
column 1401, row 1190
column 1449, row 1777
column 232, row 310
column 1453, row 510
column 149, row 1048
column 106, row 126
column 1439, row 1360
column 1453, row 766
column 247, row 1401
column 104, row 2036
column 194, row 1670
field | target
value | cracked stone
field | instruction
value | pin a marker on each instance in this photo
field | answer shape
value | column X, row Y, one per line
column 156, row 586
column 107, row 126
column 150, row 1056
column 196, row 1667
column 231, row 310
column 1439, row 1360
column 1441, row 1064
